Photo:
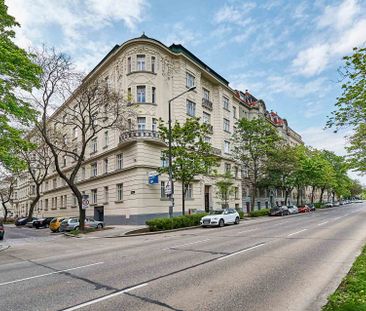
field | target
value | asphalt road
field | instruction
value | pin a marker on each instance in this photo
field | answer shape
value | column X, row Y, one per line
column 285, row 263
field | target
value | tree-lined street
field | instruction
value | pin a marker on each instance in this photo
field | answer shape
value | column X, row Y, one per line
column 286, row 263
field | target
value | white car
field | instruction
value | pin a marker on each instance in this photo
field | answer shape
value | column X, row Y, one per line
column 220, row 218
column 293, row 209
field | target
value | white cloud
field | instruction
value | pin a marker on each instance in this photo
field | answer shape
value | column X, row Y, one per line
column 178, row 33
column 343, row 27
column 235, row 14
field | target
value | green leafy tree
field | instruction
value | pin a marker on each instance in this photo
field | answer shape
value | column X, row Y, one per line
column 191, row 154
column 357, row 148
column 17, row 73
column 253, row 143
column 282, row 168
column 225, row 188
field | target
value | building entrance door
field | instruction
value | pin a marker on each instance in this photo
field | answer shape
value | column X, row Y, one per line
column 207, row 198
column 99, row 213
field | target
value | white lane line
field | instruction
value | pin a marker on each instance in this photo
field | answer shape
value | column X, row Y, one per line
column 297, row 232
column 246, row 231
column 91, row 302
column 243, row 251
column 51, row 273
column 336, row 218
column 182, row 245
column 323, row 223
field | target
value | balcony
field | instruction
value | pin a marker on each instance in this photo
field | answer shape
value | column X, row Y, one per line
column 207, row 104
column 140, row 135
column 216, row 151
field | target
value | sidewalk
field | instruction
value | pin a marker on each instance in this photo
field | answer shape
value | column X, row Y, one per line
column 114, row 230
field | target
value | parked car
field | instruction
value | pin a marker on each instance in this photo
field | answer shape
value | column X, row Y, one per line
column 220, row 218
column 55, row 223
column 312, row 207
column 42, row 222
column 2, row 231
column 30, row 224
column 279, row 211
column 292, row 209
column 74, row 224
column 23, row 221
column 304, row 209
column 328, row 204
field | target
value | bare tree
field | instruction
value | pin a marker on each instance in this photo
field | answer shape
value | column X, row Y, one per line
column 7, row 186
column 91, row 108
column 37, row 158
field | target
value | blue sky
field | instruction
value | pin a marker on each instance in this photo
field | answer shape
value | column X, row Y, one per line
column 284, row 52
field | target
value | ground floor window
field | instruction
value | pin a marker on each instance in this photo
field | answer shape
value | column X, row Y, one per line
column 119, row 192
column 189, row 192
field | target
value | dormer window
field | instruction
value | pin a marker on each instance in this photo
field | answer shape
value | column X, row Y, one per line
column 140, row 62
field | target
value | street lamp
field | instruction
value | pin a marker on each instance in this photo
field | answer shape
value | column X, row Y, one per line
column 170, row 190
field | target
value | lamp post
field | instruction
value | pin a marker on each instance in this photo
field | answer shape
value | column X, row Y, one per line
column 170, row 190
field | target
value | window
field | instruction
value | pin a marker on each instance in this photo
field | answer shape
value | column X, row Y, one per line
column 164, row 161
column 236, row 172
column 191, row 108
column 83, row 175
column 227, row 167
column 46, row 185
column 162, row 190
column 234, row 112
column 129, row 95
column 153, row 64
column 46, row 204
column 106, row 139
column 226, row 103
column 141, row 123
column 105, row 165
column 206, row 94
column 119, row 163
column 154, row 125
column 94, row 145
column 33, row 189
column 226, row 146
column 189, row 192
column 226, row 125
column 64, row 160
column 56, row 202
column 140, row 62
column 75, row 132
column 119, row 192
column 74, row 200
column 189, row 80
column 206, row 118
column 153, row 95
column 94, row 196
column 105, row 112
column 94, row 169
column 129, row 67
column 141, row 94
column 236, row 193
column 106, row 194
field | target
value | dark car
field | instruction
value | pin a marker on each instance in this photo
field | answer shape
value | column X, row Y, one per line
column 23, row 221
column 42, row 222
column 279, row 211
column 2, row 231
column 312, row 207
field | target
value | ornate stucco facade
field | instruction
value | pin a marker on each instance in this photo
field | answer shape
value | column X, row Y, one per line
column 116, row 170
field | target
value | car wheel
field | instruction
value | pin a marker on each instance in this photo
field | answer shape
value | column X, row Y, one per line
column 100, row 226
column 76, row 228
column 221, row 223
column 237, row 219
column 281, row 213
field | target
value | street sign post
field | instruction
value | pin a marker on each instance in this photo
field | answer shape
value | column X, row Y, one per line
column 85, row 201
column 168, row 188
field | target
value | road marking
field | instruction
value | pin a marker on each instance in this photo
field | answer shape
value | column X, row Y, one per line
column 243, row 251
column 247, row 231
column 323, row 223
column 336, row 218
column 297, row 232
column 51, row 273
column 182, row 245
column 91, row 302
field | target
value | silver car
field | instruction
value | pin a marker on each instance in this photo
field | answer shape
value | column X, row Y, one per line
column 73, row 224
column 293, row 209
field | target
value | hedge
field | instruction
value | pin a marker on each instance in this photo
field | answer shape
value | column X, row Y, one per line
column 261, row 212
column 160, row 224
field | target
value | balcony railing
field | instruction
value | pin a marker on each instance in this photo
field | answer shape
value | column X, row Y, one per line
column 134, row 135
column 207, row 104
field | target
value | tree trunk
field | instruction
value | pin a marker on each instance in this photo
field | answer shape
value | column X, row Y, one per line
column 312, row 194
column 183, row 199
column 286, row 196
column 321, row 195
column 32, row 206
column 254, row 194
column 5, row 211
column 298, row 196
